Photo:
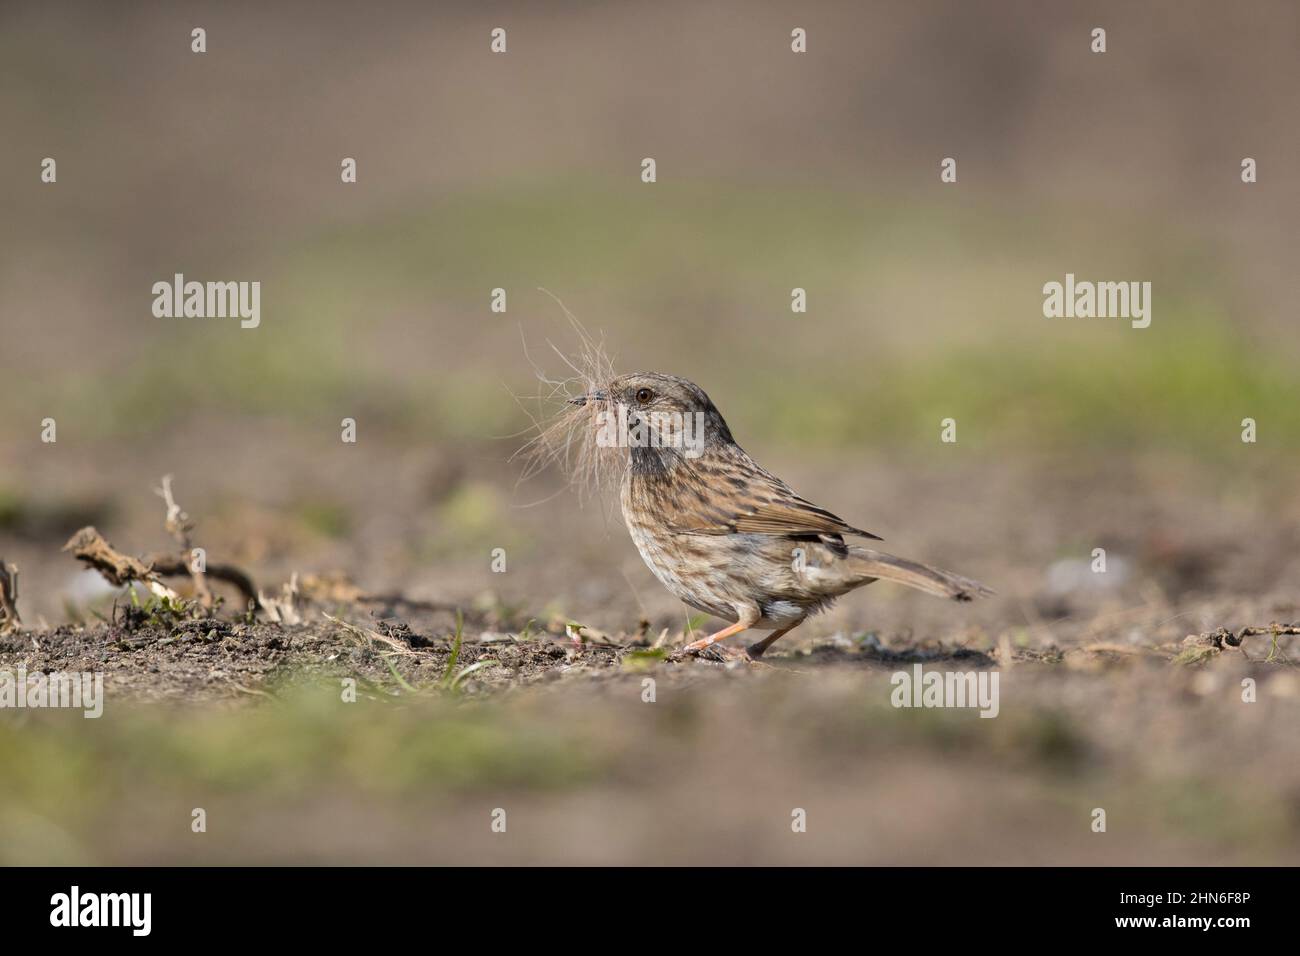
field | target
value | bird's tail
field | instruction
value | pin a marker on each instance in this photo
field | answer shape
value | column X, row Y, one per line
column 879, row 565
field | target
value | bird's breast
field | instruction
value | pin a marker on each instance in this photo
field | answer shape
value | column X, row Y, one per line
column 695, row 568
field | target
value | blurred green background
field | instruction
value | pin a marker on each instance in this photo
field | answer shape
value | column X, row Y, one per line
column 776, row 170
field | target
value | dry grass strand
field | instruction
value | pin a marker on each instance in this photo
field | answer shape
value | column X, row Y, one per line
column 563, row 434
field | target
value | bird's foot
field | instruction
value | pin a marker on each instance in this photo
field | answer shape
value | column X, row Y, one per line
column 719, row 653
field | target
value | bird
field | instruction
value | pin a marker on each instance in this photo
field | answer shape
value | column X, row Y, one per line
column 725, row 535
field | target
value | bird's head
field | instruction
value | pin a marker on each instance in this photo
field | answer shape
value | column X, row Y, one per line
column 658, row 417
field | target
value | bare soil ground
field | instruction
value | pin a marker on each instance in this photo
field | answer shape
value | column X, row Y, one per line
column 247, row 722
column 197, row 661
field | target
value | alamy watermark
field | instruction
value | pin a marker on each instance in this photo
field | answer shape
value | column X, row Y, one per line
column 921, row 688
column 1101, row 300
column 179, row 299
column 616, row 428
column 58, row 689
column 133, row 911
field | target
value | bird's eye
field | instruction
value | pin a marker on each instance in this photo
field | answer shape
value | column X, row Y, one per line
column 643, row 395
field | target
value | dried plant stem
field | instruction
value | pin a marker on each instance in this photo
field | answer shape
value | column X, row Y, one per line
column 89, row 547
column 9, row 619
column 283, row 609
column 173, row 566
column 181, row 528
column 371, row 635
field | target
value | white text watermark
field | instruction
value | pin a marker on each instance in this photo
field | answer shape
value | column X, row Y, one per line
column 82, row 691
column 920, row 688
column 179, row 299
column 617, row 429
column 1101, row 300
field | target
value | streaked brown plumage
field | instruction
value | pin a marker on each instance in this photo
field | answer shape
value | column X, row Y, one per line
column 726, row 536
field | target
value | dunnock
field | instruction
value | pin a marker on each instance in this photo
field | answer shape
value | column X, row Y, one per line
column 723, row 534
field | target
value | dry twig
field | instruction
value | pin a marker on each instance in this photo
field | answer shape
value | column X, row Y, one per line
column 89, row 547
column 181, row 528
column 283, row 609
column 1274, row 629
column 172, row 566
column 369, row 634
column 9, row 619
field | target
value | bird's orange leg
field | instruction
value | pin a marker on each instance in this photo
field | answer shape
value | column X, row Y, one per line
column 755, row 651
column 712, row 639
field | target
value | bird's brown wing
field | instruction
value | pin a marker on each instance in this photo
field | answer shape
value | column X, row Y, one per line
column 760, row 504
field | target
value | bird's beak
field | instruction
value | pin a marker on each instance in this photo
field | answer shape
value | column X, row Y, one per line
column 596, row 396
